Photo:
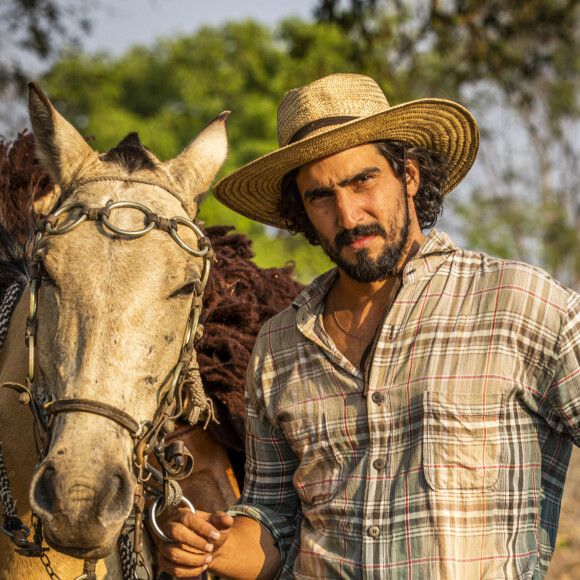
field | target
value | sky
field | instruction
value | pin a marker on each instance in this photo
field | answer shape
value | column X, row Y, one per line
column 118, row 25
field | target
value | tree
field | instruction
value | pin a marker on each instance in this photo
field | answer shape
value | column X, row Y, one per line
column 32, row 34
column 36, row 29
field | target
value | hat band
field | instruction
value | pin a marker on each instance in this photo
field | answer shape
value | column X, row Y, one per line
column 318, row 124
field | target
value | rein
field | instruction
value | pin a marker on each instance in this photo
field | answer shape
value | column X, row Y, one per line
column 148, row 435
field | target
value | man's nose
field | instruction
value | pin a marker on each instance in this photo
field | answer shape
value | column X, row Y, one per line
column 348, row 211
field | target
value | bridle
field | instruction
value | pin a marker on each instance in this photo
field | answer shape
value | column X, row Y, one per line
column 148, row 435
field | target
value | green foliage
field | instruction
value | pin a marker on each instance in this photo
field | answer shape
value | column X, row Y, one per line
column 489, row 230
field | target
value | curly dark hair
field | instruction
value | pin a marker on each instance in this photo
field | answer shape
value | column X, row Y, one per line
column 428, row 200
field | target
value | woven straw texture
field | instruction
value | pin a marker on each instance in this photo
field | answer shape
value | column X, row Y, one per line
column 355, row 111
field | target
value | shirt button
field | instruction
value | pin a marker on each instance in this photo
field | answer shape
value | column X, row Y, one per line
column 377, row 398
column 374, row 531
column 379, row 464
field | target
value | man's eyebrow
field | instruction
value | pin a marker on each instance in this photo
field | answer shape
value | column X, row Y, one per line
column 322, row 190
column 362, row 173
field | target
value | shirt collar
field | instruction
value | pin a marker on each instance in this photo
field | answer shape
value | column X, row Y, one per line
column 434, row 250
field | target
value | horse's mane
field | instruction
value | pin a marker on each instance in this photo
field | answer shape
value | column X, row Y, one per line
column 22, row 179
column 238, row 299
column 130, row 154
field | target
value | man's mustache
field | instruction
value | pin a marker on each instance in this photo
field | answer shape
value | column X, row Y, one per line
column 348, row 236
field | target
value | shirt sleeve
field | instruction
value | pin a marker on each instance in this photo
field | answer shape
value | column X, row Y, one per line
column 268, row 496
column 565, row 391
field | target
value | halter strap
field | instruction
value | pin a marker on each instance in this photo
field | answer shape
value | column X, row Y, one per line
column 96, row 408
column 101, row 178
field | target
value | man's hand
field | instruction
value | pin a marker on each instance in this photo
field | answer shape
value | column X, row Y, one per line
column 197, row 539
column 233, row 547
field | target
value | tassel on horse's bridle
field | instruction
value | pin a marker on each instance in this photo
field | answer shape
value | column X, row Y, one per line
column 149, row 436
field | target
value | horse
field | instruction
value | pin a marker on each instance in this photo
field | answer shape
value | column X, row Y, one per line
column 108, row 366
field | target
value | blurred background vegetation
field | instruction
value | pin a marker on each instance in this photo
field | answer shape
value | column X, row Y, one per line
column 515, row 65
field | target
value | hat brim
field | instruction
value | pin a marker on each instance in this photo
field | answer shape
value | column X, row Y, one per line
column 438, row 124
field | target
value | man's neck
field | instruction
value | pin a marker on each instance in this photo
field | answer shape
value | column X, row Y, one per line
column 353, row 311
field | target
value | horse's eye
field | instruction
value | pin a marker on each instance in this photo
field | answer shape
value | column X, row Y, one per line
column 186, row 290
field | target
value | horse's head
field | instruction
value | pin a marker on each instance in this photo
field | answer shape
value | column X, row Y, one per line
column 116, row 289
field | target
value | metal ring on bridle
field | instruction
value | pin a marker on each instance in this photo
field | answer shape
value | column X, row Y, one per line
column 33, row 300
column 153, row 517
column 190, row 329
column 23, row 527
column 173, row 386
column 31, row 356
column 31, row 318
column 131, row 234
column 80, row 219
column 173, row 231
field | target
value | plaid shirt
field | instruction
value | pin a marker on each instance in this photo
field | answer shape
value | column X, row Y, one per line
column 443, row 460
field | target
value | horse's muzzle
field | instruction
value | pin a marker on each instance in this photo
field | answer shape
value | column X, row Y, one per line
column 82, row 511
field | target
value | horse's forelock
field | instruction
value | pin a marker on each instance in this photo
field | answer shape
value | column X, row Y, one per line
column 131, row 155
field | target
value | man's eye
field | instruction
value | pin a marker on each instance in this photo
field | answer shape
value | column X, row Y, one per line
column 318, row 195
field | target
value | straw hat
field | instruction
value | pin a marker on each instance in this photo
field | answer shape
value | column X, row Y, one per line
column 338, row 112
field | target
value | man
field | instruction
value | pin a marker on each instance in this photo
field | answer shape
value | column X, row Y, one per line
column 411, row 415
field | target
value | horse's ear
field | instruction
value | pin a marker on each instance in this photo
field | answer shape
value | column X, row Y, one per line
column 196, row 167
column 59, row 146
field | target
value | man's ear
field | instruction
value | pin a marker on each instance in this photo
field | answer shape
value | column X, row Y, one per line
column 413, row 177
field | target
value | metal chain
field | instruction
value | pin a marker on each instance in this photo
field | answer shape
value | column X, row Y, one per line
column 6, row 499
column 48, row 567
column 36, row 523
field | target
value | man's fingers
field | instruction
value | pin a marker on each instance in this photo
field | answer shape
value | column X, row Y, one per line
column 196, row 537
column 184, row 555
column 184, row 535
column 182, row 560
column 194, row 526
column 190, row 528
column 198, row 531
column 181, row 569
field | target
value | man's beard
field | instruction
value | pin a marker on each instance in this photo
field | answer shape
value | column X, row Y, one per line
column 366, row 269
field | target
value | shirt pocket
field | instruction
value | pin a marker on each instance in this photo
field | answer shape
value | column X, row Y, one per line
column 320, row 472
column 463, row 440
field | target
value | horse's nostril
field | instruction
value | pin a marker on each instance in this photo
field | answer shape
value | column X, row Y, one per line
column 116, row 499
column 115, row 491
column 43, row 494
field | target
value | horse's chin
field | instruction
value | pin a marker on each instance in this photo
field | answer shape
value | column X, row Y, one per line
column 79, row 552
